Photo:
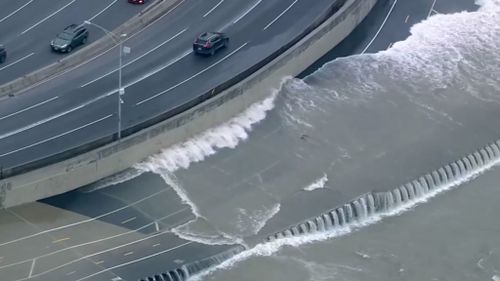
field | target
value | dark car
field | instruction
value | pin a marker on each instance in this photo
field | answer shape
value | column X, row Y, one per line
column 71, row 37
column 3, row 54
column 209, row 43
column 137, row 1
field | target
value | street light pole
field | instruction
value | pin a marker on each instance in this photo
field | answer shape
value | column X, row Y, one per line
column 121, row 90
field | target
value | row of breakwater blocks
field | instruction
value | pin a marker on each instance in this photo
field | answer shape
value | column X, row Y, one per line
column 183, row 273
column 362, row 207
column 378, row 202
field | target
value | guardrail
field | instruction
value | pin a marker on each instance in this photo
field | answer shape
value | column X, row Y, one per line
column 6, row 172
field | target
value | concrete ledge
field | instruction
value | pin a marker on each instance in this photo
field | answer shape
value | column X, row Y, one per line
column 118, row 156
column 147, row 16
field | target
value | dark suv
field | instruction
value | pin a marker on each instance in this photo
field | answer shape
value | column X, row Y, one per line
column 71, row 37
column 3, row 54
column 209, row 43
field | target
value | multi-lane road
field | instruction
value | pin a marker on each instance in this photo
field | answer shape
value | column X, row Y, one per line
column 42, row 237
column 26, row 28
column 161, row 73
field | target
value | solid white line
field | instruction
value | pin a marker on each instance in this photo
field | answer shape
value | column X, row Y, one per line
column 96, row 241
column 247, row 11
column 432, row 8
column 13, row 13
column 134, row 261
column 192, row 77
column 138, row 58
column 32, row 268
column 211, row 10
column 83, row 221
column 280, row 15
column 102, row 11
column 55, row 137
column 128, row 220
column 19, row 60
column 29, row 107
column 49, row 16
column 380, row 28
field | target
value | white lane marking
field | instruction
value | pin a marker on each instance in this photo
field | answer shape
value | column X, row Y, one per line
column 32, row 268
column 128, row 254
column 380, row 28
column 99, row 262
column 70, row 273
column 101, row 252
column 98, row 240
column 156, row 245
column 128, row 220
column 102, row 11
column 55, row 137
column 138, row 58
column 407, row 18
column 16, row 11
column 247, row 11
column 60, row 240
column 83, row 221
column 17, row 61
column 134, row 261
column 116, row 279
column 157, row 226
column 29, row 107
column 432, row 8
column 100, row 54
column 280, row 15
column 192, row 77
column 215, row 7
column 48, row 17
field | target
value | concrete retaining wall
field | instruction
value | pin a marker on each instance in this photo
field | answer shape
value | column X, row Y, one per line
column 116, row 157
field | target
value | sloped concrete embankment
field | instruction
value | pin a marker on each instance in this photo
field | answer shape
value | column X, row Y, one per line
column 113, row 158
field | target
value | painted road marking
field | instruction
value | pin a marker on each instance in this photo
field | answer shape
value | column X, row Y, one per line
column 192, row 77
column 138, row 58
column 16, row 61
column 56, row 136
column 102, row 11
column 70, row 273
column 432, row 8
column 48, row 17
column 215, row 7
column 380, row 28
column 280, row 15
column 156, row 245
column 28, row 108
column 60, row 240
column 407, row 18
column 247, row 11
column 14, row 12
column 128, row 254
column 128, row 220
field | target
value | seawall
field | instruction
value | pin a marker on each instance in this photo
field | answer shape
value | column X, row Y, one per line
column 115, row 157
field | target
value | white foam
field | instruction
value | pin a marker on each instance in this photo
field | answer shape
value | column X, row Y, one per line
column 495, row 278
column 317, row 184
column 269, row 248
column 214, row 238
column 125, row 176
column 256, row 219
column 172, row 181
column 197, row 148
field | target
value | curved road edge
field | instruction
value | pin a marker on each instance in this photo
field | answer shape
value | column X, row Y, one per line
column 144, row 18
column 118, row 156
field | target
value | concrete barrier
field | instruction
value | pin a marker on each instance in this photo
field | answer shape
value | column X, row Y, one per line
column 115, row 157
column 147, row 16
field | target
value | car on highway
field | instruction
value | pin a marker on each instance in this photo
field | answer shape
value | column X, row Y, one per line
column 137, row 1
column 3, row 54
column 71, row 37
column 209, row 42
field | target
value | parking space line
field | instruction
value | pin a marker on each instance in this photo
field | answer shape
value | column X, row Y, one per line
column 280, row 15
column 211, row 10
column 190, row 78
column 17, row 61
column 48, row 17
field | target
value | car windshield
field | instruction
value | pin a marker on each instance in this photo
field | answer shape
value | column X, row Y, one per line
column 65, row 35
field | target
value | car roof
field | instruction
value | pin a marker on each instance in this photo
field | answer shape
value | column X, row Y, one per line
column 207, row 35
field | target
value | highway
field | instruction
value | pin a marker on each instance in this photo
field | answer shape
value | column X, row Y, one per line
column 26, row 28
column 135, row 208
column 80, row 106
